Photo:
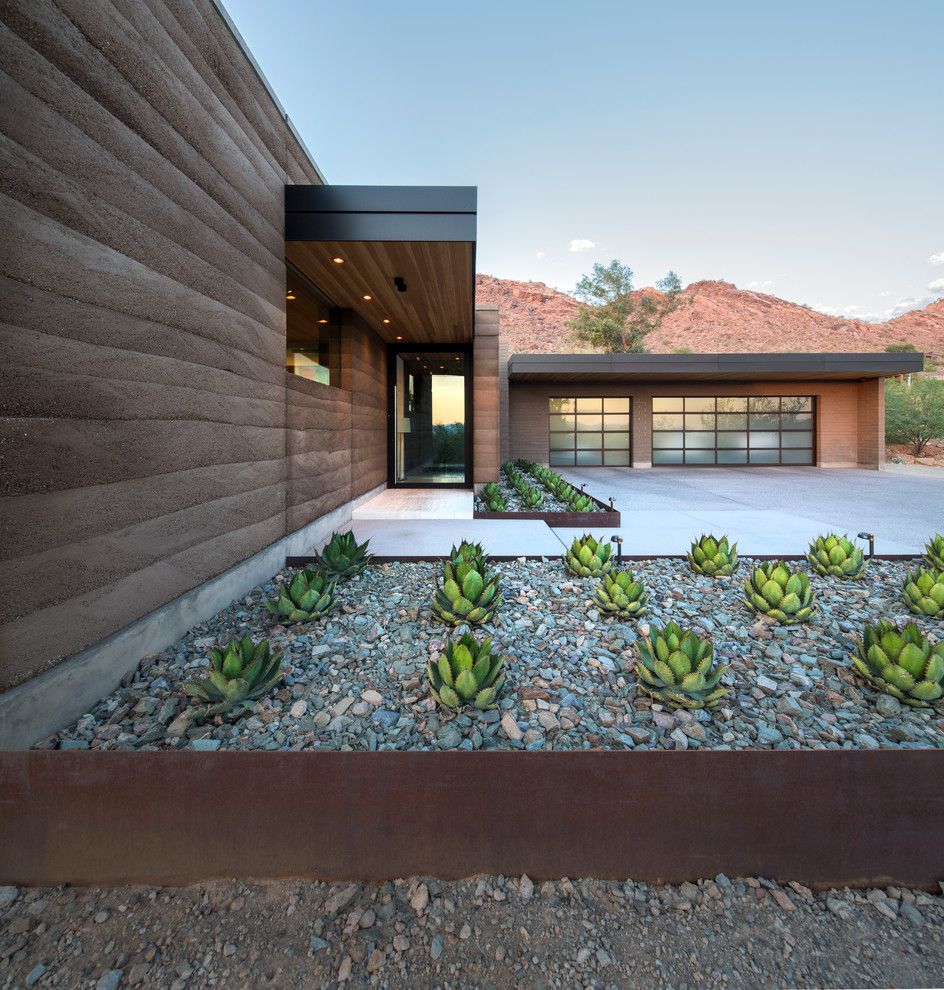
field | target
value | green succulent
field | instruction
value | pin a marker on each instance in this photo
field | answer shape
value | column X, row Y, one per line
column 588, row 558
column 785, row 595
column 934, row 552
column 836, row 556
column 923, row 591
column 472, row 552
column 531, row 498
column 901, row 662
column 343, row 557
column 309, row 596
column 467, row 673
column 713, row 557
column 240, row 673
column 469, row 590
column 493, row 498
column 677, row 668
column 579, row 502
column 621, row 594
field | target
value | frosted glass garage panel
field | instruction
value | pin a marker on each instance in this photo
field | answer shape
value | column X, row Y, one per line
column 590, row 431
column 731, row 429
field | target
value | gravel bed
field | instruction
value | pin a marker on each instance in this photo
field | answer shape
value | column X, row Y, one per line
column 482, row 932
column 357, row 679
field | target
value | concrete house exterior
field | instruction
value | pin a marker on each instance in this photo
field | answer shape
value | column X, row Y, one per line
column 212, row 356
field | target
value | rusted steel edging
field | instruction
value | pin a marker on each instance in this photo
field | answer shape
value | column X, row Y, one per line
column 605, row 518
column 309, row 559
column 821, row 817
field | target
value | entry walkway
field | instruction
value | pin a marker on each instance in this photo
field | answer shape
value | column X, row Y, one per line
column 767, row 511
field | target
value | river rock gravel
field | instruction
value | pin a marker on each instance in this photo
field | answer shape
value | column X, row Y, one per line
column 481, row 932
column 356, row 679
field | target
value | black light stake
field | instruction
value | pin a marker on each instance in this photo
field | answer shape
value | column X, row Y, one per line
column 618, row 540
column 871, row 538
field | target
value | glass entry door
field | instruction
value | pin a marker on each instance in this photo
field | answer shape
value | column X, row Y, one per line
column 430, row 403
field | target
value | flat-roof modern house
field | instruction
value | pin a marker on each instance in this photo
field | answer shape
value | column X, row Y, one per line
column 211, row 356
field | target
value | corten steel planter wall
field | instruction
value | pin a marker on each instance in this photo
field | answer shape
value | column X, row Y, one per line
column 824, row 818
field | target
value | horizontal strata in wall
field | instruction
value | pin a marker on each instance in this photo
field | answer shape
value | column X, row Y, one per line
column 150, row 440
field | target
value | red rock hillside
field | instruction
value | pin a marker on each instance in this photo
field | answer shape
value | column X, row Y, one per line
column 721, row 318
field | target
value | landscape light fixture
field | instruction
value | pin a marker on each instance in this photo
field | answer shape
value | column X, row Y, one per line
column 612, row 506
column 618, row 540
column 871, row 538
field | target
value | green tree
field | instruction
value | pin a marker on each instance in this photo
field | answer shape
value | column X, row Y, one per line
column 914, row 411
column 615, row 318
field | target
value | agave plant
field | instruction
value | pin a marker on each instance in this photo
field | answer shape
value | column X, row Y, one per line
column 469, row 590
column 467, row 673
column 309, row 596
column 677, row 667
column 343, row 557
column 531, row 498
column 493, row 498
column 713, row 557
column 579, row 502
column 621, row 594
column 934, row 552
column 901, row 662
column 785, row 595
column 836, row 556
column 923, row 591
column 240, row 673
column 588, row 558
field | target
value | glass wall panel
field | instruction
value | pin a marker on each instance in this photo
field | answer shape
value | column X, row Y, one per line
column 562, row 405
column 429, row 436
column 589, row 458
column 616, row 441
column 589, row 441
column 312, row 332
column 589, row 405
column 758, row 429
column 616, row 423
column 616, row 458
column 616, row 405
column 561, row 458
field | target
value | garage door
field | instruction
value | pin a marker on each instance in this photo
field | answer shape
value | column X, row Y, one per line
column 589, row 432
column 757, row 429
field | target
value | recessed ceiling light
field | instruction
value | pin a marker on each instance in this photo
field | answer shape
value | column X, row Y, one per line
column 289, row 295
column 399, row 338
column 368, row 298
column 322, row 321
column 338, row 261
column 386, row 321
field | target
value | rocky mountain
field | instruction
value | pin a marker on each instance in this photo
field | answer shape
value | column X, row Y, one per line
column 721, row 318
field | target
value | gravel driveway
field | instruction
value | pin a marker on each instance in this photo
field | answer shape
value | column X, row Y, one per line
column 482, row 932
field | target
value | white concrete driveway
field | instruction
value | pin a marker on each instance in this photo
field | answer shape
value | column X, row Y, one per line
column 771, row 510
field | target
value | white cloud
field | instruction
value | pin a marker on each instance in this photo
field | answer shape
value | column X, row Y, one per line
column 581, row 244
column 851, row 309
column 937, row 285
column 936, row 259
column 885, row 293
column 766, row 284
column 541, row 254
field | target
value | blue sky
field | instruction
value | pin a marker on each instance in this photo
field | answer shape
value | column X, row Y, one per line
column 793, row 148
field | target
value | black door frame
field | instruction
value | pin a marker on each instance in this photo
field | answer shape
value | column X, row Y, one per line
column 392, row 351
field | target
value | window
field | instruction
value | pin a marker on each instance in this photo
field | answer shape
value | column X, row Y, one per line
column 756, row 429
column 589, row 432
column 312, row 333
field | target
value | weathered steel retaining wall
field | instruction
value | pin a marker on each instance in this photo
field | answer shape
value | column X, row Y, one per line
column 824, row 818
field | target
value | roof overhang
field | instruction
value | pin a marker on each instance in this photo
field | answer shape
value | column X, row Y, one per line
column 709, row 367
column 410, row 249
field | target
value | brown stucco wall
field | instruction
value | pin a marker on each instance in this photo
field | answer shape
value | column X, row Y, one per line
column 143, row 444
column 849, row 416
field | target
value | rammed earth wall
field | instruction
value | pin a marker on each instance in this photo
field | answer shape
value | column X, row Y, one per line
column 151, row 438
